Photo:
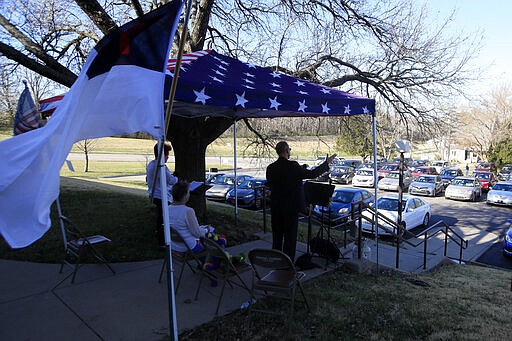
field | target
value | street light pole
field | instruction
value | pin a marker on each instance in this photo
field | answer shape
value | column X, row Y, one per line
column 400, row 199
column 402, row 147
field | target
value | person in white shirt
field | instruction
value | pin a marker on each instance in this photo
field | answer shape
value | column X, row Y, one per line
column 184, row 221
column 154, row 190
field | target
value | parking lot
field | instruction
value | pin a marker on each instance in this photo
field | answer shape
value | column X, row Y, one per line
column 486, row 218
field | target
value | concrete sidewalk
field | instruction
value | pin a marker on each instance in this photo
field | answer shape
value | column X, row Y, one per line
column 132, row 305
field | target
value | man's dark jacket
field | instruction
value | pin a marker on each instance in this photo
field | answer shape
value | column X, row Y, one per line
column 284, row 177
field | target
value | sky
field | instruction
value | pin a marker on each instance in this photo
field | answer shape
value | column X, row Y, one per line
column 491, row 19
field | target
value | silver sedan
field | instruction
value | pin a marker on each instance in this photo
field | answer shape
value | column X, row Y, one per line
column 427, row 185
column 464, row 188
column 500, row 194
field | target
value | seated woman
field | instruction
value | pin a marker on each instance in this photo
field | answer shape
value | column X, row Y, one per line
column 184, row 221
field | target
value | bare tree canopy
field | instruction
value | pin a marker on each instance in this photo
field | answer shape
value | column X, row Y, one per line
column 390, row 50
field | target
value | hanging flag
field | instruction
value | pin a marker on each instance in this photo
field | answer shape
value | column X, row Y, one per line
column 119, row 91
column 27, row 117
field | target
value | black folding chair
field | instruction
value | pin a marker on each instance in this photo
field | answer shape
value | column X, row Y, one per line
column 188, row 258
column 78, row 246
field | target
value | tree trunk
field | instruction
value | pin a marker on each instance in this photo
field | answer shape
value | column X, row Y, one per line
column 189, row 138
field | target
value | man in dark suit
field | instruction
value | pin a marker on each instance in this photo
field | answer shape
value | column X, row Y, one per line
column 284, row 177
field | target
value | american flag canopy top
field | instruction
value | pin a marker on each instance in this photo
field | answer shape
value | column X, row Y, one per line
column 208, row 78
column 211, row 84
column 27, row 117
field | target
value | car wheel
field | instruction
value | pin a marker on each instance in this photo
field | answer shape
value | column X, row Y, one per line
column 426, row 220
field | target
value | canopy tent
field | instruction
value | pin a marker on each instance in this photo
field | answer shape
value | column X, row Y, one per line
column 211, row 84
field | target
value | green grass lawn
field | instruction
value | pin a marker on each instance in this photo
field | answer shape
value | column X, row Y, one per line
column 453, row 302
column 128, row 219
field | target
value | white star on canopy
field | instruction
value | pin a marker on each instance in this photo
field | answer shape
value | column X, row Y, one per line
column 326, row 91
column 275, row 75
column 275, row 85
column 347, row 109
column 274, row 103
column 302, row 106
column 365, row 110
column 201, row 96
column 240, row 100
column 299, row 83
column 325, row 108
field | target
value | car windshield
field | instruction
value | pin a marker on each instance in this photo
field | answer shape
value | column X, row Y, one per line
column 365, row 172
column 438, row 163
column 340, row 170
column 248, row 184
column 342, row 197
column 393, row 175
column 389, row 204
column 484, row 176
column 463, row 182
column 426, row 179
column 503, row 187
column 225, row 180
column 449, row 172
column 506, row 169
column 390, row 167
column 421, row 170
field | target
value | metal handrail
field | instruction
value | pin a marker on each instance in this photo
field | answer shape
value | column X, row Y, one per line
column 439, row 227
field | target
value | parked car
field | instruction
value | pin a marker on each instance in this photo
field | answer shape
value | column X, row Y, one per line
column 485, row 167
column 245, row 194
column 507, row 241
column 342, row 200
column 464, row 188
column 487, row 179
column 424, row 170
column 427, row 185
column 210, row 177
column 504, row 172
column 363, row 178
column 418, row 163
column 384, row 170
column 223, row 184
column 390, row 181
column 415, row 212
column 342, row 174
column 438, row 165
column 448, row 174
column 350, row 163
column 500, row 194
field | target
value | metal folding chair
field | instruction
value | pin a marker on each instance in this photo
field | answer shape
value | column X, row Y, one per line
column 274, row 272
column 188, row 258
column 77, row 245
column 226, row 271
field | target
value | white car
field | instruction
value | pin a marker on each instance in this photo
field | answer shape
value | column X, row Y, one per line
column 415, row 212
column 500, row 194
column 464, row 188
column 364, row 178
column 390, row 181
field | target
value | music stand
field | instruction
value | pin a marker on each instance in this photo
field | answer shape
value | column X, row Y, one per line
column 317, row 194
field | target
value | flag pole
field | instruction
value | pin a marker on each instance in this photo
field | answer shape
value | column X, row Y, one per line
column 163, row 184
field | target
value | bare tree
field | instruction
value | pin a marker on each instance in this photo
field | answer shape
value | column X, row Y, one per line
column 389, row 50
column 86, row 146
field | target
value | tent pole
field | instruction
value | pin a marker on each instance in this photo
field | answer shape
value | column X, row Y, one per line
column 235, row 166
column 173, row 326
column 375, row 180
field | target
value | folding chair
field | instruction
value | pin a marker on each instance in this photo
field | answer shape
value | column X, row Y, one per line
column 226, row 270
column 189, row 258
column 78, row 245
column 274, row 272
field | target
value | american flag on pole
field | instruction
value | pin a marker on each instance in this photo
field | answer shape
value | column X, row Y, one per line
column 27, row 117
